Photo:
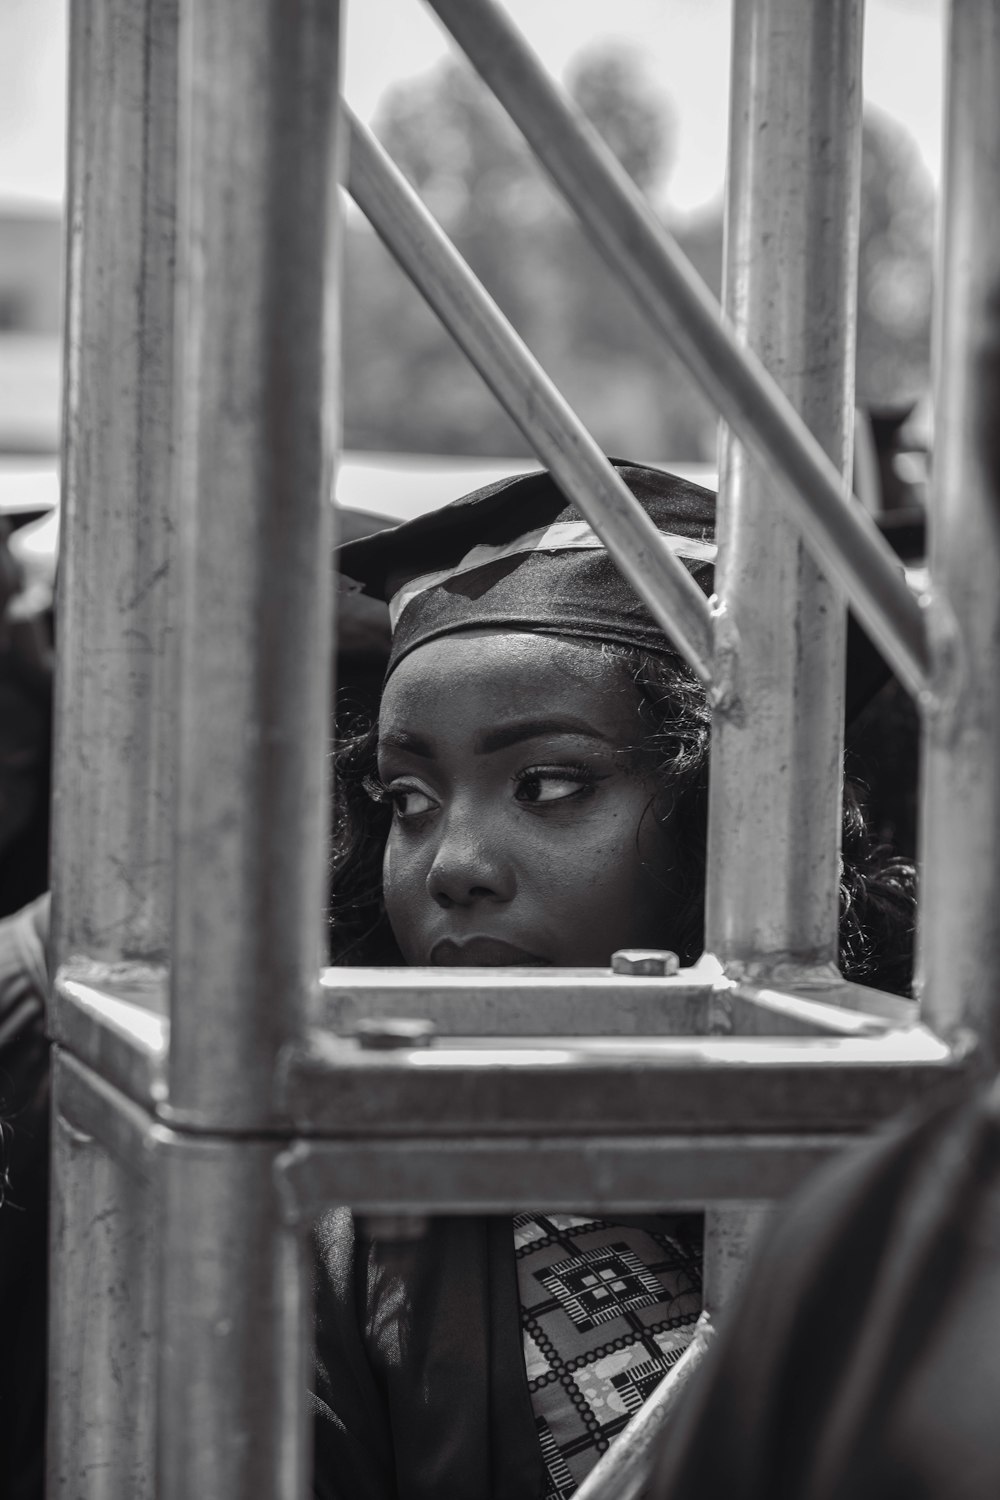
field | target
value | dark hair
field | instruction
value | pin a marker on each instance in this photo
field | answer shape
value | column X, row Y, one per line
column 877, row 891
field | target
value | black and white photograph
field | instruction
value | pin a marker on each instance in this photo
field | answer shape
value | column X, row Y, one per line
column 499, row 743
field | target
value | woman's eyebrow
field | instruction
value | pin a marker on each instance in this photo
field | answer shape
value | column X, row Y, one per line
column 402, row 739
column 506, row 735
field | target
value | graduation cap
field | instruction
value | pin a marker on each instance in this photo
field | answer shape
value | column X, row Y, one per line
column 519, row 555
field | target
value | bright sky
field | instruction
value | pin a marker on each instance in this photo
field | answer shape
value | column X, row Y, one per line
column 683, row 43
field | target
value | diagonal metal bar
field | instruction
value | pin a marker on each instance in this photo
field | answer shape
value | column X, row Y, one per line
column 524, row 390
column 642, row 252
column 622, row 1472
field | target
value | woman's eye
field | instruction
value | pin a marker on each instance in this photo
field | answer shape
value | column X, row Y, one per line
column 552, row 784
column 409, row 801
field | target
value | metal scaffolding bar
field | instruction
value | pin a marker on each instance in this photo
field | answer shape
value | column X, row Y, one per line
column 255, row 458
column 670, row 293
column 113, row 803
column 524, row 390
column 773, row 872
column 790, row 290
column 959, row 938
column 621, row 1473
column 234, row 1369
column 581, row 1085
column 105, row 1238
column 257, row 291
column 112, row 832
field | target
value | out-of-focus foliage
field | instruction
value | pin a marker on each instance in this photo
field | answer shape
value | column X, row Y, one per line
column 627, row 112
column 895, row 266
column 407, row 386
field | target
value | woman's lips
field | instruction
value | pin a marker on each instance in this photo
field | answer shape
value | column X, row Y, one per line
column 481, row 953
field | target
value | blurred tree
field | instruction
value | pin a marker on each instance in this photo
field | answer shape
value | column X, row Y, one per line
column 408, row 388
column 895, row 269
column 627, row 111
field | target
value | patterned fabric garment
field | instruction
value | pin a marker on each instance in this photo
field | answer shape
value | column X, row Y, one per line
column 606, row 1310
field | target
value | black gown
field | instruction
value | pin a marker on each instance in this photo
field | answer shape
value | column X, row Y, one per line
column 24, row 1208
column 420, row 1390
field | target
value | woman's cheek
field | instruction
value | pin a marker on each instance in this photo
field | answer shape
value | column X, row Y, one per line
column 568, row 875
column 397, row 892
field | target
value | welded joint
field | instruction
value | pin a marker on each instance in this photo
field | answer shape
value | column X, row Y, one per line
column 948, row 682
column 812, row 990
column 102, row 973
column 123, row 974
column 786, row 973
column 287, row 1170
column 724, row 692
column 720, row 1009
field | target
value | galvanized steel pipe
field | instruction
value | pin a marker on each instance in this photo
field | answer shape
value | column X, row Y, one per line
column 669, row 291
column 259, row 80
column 234, row 1421
column 113, row 793
column 114, row 776
column 528, row 395
column 959, row 938
column 104, row 1246
column 790, row 292
column 623, row 1472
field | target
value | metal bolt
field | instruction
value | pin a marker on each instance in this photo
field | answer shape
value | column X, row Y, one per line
column 654, row 961
column 391, row 1033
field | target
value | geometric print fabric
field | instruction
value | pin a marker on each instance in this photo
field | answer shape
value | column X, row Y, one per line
column 600, row 1283
column 606, row 1310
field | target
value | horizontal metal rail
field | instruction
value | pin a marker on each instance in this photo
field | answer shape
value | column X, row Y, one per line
column 620, row 1173
column 595, row 1002
column 524, row 390
column 583, row 1085
column 415, row 1176
column 114, row 1018
column 627, row 1166
column 651, row 265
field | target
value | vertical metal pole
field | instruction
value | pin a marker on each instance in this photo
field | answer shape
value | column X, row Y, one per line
column 259, row 90
column 777, row 737
column 233, row 1411
column 113, row 803
column 114, row 771
column 791, row 254
column 731, row 1231
column 102, row 1324
column 959, row 943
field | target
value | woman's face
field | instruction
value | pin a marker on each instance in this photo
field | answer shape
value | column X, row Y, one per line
column 525, row 825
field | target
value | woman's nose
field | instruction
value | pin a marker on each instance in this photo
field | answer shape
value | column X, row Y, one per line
column 469, row 865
